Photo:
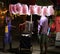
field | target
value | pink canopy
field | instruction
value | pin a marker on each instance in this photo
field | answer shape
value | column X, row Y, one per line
column 19, row 8
column 23, row 9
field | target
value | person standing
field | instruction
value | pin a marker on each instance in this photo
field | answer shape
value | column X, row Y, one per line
column 7, row 36
column 42, row 30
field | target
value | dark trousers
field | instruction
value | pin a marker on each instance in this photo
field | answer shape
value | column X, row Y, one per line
column 43, row 43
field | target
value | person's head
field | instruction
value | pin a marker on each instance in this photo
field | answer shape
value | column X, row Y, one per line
column 7, row 17
column 7, row 14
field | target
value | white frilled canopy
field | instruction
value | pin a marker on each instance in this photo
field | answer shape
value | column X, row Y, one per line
column 23, row 9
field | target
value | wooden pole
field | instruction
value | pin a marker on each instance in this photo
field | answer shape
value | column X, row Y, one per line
column 31, row 18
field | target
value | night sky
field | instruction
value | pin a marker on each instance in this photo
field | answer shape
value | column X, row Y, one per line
column 7, row 2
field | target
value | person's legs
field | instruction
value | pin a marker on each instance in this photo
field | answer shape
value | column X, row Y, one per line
column 10, row 41
column 5, row 42
column 41, row 44
column 10, row 45
column 45, row 44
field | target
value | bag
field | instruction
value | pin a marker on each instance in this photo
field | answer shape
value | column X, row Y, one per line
column 6, row 29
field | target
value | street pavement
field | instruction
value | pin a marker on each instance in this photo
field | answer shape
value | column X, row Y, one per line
column 35, row 48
